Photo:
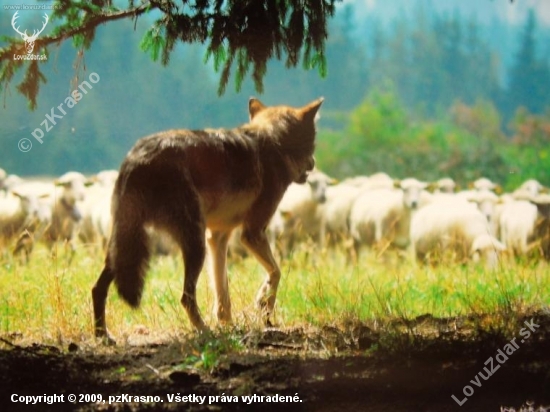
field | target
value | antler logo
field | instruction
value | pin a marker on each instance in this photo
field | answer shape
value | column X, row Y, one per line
column 29, row 40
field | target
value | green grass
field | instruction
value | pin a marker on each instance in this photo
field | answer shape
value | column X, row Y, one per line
column 49, row 300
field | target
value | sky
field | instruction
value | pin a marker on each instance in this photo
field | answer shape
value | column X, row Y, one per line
column 484, row 11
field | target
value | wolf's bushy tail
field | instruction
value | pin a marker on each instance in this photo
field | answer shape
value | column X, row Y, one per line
column 129, row 254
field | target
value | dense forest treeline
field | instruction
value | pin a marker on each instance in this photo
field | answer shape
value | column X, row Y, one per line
column 428, row 96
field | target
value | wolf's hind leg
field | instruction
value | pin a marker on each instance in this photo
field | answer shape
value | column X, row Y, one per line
column 99, row 297
column 256, row 241
column 217, row 243
column 194, row 252
column 181, row 216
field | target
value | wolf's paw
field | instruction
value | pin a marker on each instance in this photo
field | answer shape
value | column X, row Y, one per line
column 265, row 312
column 105, row 336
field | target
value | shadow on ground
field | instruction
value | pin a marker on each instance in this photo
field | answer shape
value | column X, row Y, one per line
column 347, row 368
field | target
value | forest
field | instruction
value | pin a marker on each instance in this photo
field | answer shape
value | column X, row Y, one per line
column 429, row 96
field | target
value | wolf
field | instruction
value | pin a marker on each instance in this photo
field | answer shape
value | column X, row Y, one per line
column 197, row 186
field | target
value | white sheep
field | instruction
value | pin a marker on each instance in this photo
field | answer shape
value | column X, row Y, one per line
column 66, row 213
column 334, row 212
column 298, row 208
column 65, row 193
column 95, row 208
column 444, row 185
column 456, row 230
column 488, row 204
column 105, row 178
column 524, row 225
column 485, row 184
column 529, row 189
column 11, row 181
column 20, row 215
column 378, row 180
column 517, row 224
column 18, row 210
column 357, row 181
column 382, row 217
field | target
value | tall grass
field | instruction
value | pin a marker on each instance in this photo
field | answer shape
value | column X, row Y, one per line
column 49, row 299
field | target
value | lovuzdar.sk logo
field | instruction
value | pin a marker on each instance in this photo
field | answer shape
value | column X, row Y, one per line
column 29, row 40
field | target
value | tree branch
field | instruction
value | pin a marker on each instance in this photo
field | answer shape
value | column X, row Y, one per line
column 91, row 24
column 255, row 31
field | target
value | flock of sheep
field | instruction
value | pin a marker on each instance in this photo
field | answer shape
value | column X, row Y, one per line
column 68, row 208
column 432, row 220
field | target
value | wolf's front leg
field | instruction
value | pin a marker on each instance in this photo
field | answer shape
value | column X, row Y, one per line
column 258, row 244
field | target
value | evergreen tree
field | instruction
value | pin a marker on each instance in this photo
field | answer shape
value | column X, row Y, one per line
column 529, row 75
column 453, row 59
column 240, row 35
column 481, row 79
column 347, row 73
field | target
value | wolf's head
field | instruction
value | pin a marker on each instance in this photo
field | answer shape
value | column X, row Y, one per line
column 293, row 130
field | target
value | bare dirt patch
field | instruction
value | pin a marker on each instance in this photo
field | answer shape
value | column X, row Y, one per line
column 347, row 368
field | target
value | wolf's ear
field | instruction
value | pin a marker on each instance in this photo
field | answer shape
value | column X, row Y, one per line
column 254, row 107
column 309, row 111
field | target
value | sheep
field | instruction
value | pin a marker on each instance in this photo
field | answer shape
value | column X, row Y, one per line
column 105, row 178
column 19, row 209
column 298, row 208
column 19, row 214
column 485, row 184
column 382, row 216
column 525, row 225
column 35, row 228
column 456, row 229
column 441, row 190
column 486, row 201
column 528, row 189
column 95, row 227
column 95, row 208
column 357, row 181
column 517, row 223
column 101, row 219
column 65, row 193
column 66, row 213
column 378, row 180
column 334, row 212
column 11, row 181
column 445, row 185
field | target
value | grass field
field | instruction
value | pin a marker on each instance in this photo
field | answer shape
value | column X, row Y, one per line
column 49, row 300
